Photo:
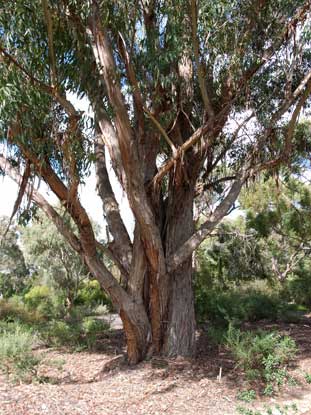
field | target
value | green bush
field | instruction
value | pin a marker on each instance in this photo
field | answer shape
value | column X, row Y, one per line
column 92, row 328
column 14, row 310
column 72, row 333
column 298, row 289
column 16, row 355
column 37, row 294
column 43, row 300
column 60, row 333
column 90, row 294
column 221, row 307
column 247, row 395
column 262, row 355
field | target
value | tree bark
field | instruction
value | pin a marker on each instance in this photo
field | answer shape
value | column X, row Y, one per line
column 134, row 317
column 179, row 338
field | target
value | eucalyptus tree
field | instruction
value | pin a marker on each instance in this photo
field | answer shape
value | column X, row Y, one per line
column 14, row 274
column 49, row 255
column 279, row 212
column 190, row 99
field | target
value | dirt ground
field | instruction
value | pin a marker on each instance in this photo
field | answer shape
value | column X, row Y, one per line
column 101, row 383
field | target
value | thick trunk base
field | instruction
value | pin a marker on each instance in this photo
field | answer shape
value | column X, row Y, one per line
column 180, row 334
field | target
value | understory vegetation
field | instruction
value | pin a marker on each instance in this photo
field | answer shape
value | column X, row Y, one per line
column 239, row 284
column 55, row 303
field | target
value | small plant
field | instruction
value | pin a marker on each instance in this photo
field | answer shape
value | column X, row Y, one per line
column 16, row 357
column 246, row 411
column 92, row 328
column 269, row 390
column 247, row 395
column 285, row 410
column 307, row 377
column 262, row 355
column 294, row 408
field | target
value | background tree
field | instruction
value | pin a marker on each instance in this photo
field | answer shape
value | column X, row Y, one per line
column 278, row 210
column 53, row 260
column 14, row 274
column 233, row 256
column 190, row 100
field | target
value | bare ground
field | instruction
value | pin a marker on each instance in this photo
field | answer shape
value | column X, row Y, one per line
column 100, row 383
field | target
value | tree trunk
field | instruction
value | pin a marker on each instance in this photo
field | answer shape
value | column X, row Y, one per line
column 179, row 338
column 172, row 323
column 132, row 312
column 180, row 335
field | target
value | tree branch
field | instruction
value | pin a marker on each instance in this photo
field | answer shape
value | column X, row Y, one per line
column 200, row 67
column 43, row 204
column 161, row 130
column 285, row 153
column 121, row 246
column 299, row 17
column 49, row 25
column 119, row 297
column 183, row 253
column 69, row 108
column 138, row 100
column 135, row 181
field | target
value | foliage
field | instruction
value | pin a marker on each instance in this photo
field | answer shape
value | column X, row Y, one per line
column 14, row 310
column 232, row 257
column 307, row 377
column 262, row 355
column 43, row 300
column 284, row 410
column 90, row 294
column 298, row 287
column 73, row 333
column 36, row 295
column 240, row 305
column 278, row 214
column 247, row 395
column 14, row 274
column 16, row 356
column 55, row 262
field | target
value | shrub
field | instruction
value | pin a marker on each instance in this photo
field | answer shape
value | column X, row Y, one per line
column 37, row 294
column 262, row 355
column 90, row 294
column 247, row 395
column 221, row 307
column 298, row 289
column 13, row 310
column 92, row 328
column 44, row 301
column 16, row 355
column 73, row 333
column 59, row 333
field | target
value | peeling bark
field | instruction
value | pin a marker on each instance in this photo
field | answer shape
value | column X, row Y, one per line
column 121, row 247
